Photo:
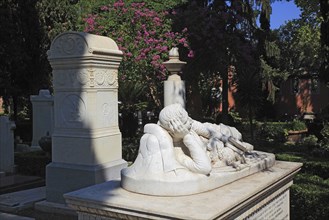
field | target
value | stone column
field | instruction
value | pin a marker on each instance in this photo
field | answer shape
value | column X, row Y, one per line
column 174, row 87
column 6, row 145
column 43, row 116
column 86, row 143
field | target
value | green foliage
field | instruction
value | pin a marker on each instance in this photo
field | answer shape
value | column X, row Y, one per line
column 32, row 163
column 319, row 168
column 300, row 44
column 249, row 94
column 277, row 131
column 27, row 30
column 309, row 197
column 323, row 149
column 289, row 157
column 311, row 165
column 310, row 11
column 130, row 147
column 297, row 125
column 310, row 192
column 210, row 92
column 236, row 117
column 325, row 134
column 274, row 131
column 310, row 140
column 56, row 17
column 19, row 43
column 271, row 79
column 145, row 37
column 163, row 5
column 221, row 35
column 131, row 95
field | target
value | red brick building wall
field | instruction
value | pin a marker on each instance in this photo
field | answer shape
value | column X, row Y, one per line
column 302, row 95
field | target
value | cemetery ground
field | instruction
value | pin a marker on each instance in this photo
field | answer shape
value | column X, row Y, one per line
column 309, row 193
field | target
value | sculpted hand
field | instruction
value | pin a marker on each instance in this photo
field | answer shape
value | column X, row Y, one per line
column 179, row 129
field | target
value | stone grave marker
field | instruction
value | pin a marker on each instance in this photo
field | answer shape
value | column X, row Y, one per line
column 86, row 142
column 6, row 144
column 43, row 116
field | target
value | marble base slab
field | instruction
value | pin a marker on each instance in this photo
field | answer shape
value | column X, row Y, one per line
column 264, row 192
column 16, row 201
column 62, row 178
column 159, row 184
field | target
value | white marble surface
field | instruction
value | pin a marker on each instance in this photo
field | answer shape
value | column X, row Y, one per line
column 181, row 156
column 20, row 200
column 170, row 185
column 43, row 116
column 174, row 86
column 6, row 216
column 109, row 199
column 86, row 142
column 174, row 91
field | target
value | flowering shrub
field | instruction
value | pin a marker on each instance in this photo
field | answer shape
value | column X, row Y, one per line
column 143, row 35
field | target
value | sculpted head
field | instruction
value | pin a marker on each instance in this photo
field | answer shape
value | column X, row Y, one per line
column 173, row 112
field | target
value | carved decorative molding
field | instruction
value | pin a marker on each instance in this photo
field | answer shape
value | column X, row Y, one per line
column 70, row 44
column 112, row 78
column 70, row 78
column 73, row 111
column 109, row 114
column 96, row 78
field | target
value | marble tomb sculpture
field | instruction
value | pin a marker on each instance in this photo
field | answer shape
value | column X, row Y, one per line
column 181, row 156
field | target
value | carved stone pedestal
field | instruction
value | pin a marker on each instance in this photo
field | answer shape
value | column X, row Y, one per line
column 263, row 195
column 86, row 143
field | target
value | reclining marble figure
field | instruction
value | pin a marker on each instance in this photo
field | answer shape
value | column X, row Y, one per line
column 181, row 156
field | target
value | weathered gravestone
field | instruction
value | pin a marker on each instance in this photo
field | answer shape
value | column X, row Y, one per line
column 6, row 145
column 86, row 143
column 43, row 116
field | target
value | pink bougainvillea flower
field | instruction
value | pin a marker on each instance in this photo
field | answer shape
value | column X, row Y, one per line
column 104, row 8
column 119, row 3
column 142, row 34
column 156, row 57
column 190, row 54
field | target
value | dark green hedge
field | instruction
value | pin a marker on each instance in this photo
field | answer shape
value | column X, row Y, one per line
column 310, row 191
column 274, row 131
column 309, row 197
column 32, row 163
column 311, row 166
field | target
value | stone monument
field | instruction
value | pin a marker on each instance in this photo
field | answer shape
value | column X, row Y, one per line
column 174, row 87
column 6, row 145
column 86, row 142
column 43, row 116
column 180, row 156
column 186, row 169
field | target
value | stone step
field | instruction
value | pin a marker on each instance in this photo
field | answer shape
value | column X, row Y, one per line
column 21, row 200
column 14, row 183
column 6, row 216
